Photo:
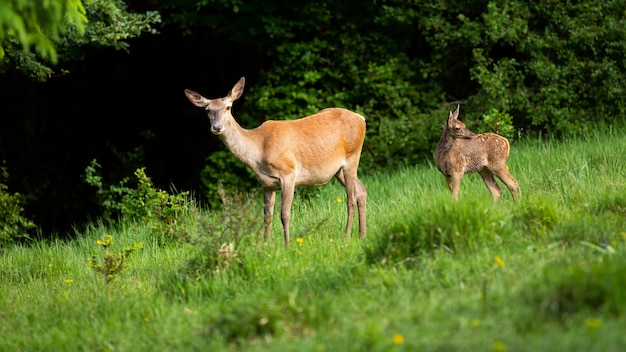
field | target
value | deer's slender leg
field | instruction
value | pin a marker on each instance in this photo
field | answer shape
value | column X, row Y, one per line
column 510, row 182
column 491, row 184
column 351, row 203
column 287, row 188
column 361, row 201
column 269, row 197
column 454, row 183
column 360, row 194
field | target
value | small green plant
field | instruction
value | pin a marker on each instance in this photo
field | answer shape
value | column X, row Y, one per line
column 13, row 223
column 112, row 263
column 156, row 207
column 500, row 123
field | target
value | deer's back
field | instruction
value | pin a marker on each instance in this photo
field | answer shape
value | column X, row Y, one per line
column 322, row 132
column 487, row 150
column 317, row 145
column 472, row 155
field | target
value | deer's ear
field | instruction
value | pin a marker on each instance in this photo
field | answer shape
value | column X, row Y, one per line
column 237, row 90
column 455, row 115
column 197, row 99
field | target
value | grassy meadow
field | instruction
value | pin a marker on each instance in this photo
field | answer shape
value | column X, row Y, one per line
column 547, row 273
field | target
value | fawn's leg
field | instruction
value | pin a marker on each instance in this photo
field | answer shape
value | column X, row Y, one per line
column 490, row 182
column 510, row 182
column 454, row 183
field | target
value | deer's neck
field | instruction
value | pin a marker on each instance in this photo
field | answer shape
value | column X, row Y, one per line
column 242, row 143
column 445, row 143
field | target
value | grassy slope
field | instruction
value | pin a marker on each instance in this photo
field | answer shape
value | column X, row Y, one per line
column 545, row 273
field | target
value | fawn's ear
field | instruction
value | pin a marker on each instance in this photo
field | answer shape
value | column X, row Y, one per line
column 455, row 115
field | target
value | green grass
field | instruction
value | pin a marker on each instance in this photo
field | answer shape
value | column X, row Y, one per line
column 545, row 273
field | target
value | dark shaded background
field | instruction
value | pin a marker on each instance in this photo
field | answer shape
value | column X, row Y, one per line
column 110, row 103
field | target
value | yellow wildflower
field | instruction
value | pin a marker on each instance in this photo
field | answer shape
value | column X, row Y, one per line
column 339, row 200
column 299, row 239
column 498, row 346
column 593, row 323
column 397, row 339
column 499, row 261
column 98, row 242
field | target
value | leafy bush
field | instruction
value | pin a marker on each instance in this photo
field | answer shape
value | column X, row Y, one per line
column 156, row 208
column 553, row 65
column 13, row 224
column 500, row 123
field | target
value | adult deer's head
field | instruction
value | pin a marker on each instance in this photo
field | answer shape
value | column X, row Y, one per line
column 456, row 128
column 218, row 110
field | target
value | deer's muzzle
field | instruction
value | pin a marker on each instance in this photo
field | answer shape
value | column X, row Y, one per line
column 217, row 129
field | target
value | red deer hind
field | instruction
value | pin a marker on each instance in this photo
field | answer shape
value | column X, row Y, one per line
column 460, row 151
column 285, row 154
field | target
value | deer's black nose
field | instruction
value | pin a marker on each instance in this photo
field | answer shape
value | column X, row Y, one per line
column 217, row 129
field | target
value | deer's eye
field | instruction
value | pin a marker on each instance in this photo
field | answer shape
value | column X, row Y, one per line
column 228, row 108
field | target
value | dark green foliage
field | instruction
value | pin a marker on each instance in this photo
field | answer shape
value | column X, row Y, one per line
column 551, row 64
column 13, row 223
column 61, row 30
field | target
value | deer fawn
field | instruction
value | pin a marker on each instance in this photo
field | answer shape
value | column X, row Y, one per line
column 285, row 154
column 460, row 151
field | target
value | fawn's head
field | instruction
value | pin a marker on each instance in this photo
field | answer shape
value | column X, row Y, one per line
column 218, row 110
column 456, row 128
